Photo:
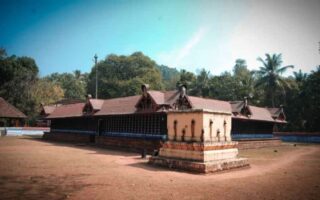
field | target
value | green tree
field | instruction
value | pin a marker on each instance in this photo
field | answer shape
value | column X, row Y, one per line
column 186, row 78
column 73, row 84
column 295, row 102
column 269, row 76
column 311, row 101
column 170, row 76
column 300, row 77
column 3, row 53
column 244, row 81
column 123, row 75
column 46, row 92
column 77, row 74
column 223, row 87
column 201, row 84
column 17, row 76
column 240, row 68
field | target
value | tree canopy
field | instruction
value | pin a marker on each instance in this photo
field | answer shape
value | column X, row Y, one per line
column 270, row 76
column 74, row 85
column 17, row 75
column 123, row 75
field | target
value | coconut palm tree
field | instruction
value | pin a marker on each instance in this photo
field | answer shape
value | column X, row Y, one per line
column 300, row 76
column 270, row 75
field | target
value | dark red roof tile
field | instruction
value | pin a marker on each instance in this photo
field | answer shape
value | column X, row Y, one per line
column 122, row 105
column 9, row 111
column 210, row 104
column 96, row 103
column 67, row 110
column 49, row 109
column 256, row 113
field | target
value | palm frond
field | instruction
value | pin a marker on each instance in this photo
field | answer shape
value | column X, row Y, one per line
column 278, row 60
column 284, row 83
column 262, row 81
column 284, row 69
column 263, row 62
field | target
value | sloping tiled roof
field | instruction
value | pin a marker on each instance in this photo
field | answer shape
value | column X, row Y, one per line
column 257, row 113
column 171, row 96
column 96, row 103
column 164, row 98
column 211, row 104
column 236, row 106
column 49, row 109
column 9, row 111
column 275, row 112
column 157, row 96
column 123, row 105
column 67, row 110
column 127, row 105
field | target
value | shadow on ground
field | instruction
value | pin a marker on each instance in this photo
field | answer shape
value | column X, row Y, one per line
column 95, row 149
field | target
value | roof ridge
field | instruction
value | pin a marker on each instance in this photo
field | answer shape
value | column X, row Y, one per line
column 205, row 98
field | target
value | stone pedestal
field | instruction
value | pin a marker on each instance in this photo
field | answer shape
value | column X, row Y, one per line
column 199, row 141
column 199, row 157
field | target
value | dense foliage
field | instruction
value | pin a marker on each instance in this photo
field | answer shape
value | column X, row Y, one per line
column 170, row 77
column 123, row 75
column 74, row 85
column 17, row 74
column 270, row 77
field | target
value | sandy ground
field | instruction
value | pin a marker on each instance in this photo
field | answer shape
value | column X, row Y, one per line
column 35, row 169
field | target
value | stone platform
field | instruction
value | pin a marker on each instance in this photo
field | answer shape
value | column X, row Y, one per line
column 199, row 157
column 199, row 167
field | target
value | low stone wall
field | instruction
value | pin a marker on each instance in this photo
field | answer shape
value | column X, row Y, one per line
column 19, row 131
column 3, row 131
column 304, row 137
column 67, row 137
column 297, row 133
column 255, row 144
column 133, row 144
column 136, row 144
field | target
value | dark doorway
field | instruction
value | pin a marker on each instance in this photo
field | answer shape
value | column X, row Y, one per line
column 92, row 138
column 101, row 126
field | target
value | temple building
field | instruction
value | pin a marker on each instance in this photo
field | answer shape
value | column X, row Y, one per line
column 141, row 121
column 10, row 115
column 255, row 122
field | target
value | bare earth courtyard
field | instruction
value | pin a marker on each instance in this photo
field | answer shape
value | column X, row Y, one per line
column 36, row 169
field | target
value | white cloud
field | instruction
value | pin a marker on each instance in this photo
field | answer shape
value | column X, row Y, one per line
column 288, row 27
column 178, row 56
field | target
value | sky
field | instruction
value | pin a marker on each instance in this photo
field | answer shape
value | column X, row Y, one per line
column 63, row 36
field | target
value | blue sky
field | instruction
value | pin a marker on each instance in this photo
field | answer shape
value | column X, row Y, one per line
column 63, row 36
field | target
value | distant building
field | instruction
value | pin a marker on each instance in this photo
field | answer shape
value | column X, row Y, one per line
column 255, row 122
column 141, row 120
column 10, row 115
column 46, row 110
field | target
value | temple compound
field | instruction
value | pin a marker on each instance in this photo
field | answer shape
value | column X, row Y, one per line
column 184, row 127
